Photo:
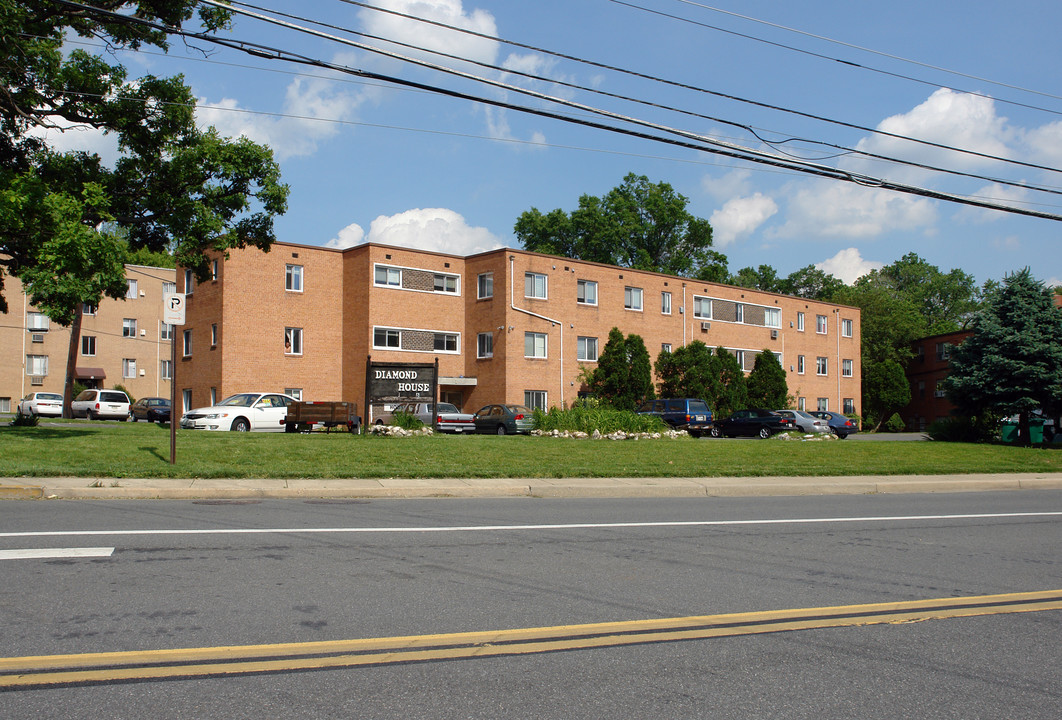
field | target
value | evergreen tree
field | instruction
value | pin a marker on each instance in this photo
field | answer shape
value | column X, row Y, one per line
column 733, row 392
column 1012, row 364
column 640, row 383
column 767, row 387
column 610, row 379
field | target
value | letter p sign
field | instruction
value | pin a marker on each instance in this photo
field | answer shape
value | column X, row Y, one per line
column 173, row 308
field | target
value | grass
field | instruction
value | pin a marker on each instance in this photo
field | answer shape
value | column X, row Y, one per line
column 116, row 450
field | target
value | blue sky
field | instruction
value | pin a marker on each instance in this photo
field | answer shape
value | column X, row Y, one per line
column 370, row 161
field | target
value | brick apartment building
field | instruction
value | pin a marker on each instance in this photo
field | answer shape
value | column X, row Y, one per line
column 506, row 325
column 122, row 342
column 926, row 370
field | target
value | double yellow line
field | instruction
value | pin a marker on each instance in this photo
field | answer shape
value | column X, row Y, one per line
column 90, row 668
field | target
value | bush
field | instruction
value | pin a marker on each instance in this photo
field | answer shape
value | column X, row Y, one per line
column 119, row 386
column 22, row 420
column 589, row 416
column 406, row 421
column 894, row 424
column 962, row 429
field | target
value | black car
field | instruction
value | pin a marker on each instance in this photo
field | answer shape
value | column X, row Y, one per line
column 152, row 409
column 752, row 423
column 689, row 414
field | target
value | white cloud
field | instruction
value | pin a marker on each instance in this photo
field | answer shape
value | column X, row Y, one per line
column 1045, row 144
column 848, row 265
column 433, row 37
column 433, row 229
column 68, row 137
column 740, row 217
column 824, row 208
column 734, row 183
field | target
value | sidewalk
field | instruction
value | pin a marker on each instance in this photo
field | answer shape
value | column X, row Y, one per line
column 236, row 488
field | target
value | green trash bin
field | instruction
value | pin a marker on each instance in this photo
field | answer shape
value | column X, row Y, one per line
column 1008, row 431
column 1036, row 430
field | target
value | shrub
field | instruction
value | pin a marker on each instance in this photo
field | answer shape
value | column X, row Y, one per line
column 589, row 416
column 22, row 420
column 962, row 429
column 406, row 421
column 119, row 386
column 894, row 424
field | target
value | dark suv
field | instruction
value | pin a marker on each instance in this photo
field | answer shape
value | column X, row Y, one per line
column 689, row 414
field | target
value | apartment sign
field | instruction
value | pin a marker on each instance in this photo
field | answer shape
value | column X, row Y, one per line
column 401, row 382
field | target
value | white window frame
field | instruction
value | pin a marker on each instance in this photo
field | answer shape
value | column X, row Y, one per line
column 485, row 345
column 665, row 302
column 37, row 365
column 36, row 322
column 165, row 370
column 189, row 282
column 632, row 298
column 822, row 366
column 802, row 404
column 129, row 327
column 186, row 344
column 588, row 290
column 665, row 347
column 800, row 365
column 169, row 287
column 446, row 284
column 824, row 404
column 213, row 269
column 166, row 331
column 698, row 307
column 392, row 276
column 800, row 322
column 536, row 399
column 128, row 367
column 293, row 341
column 536, row 339
column 294, row 392
column 584, row 345
column 822, row 325
column 485, row 286
column 388, row 333
column 87, row 309
column 772, row 317
column 88, row 342
column 446, row 338
column 534, row 283
column 739, row 312
column 846, row 368
column 846, row 327
column 186, row 399
column 214, row 335
column 293, row 278
column 848, row 406
column 131, row 289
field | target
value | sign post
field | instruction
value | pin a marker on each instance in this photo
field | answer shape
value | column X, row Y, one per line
column 173, row 305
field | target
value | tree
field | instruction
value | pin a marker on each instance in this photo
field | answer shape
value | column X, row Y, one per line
column 1012, row 363
column 623, row 377
column 689, row 372
column 946, row 301
column 766, row 383
column 812, row 283
column 638, row 224
column 763, row 278
column 885, row 391
column 67, row 221
column 641, row 373
column 733, row 391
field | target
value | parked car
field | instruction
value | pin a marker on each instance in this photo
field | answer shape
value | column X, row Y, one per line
column 448, row 417
column 842, row 426
column 242, row 412
column 152, row 409
column 805, row 421
column 45, row 404
column 752, row 423
column 504, row 419
column 101, row 405
column 689, row 414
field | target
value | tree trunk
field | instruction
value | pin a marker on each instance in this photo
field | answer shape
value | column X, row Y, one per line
column 1024, row 436
column 71, row 361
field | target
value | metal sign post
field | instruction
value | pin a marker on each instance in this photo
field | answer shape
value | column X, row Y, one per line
column 173, row 305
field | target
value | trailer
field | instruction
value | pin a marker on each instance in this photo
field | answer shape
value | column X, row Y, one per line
column 305, row 416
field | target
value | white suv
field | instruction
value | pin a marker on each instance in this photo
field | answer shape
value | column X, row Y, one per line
column 100, row 405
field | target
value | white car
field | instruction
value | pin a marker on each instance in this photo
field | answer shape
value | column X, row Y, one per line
column 41, row 403
column 100, row 405
column 805, row 421
column 241, row 412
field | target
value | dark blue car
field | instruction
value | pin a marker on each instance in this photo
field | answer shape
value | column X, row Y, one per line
column 689, row 414
column 842, row 426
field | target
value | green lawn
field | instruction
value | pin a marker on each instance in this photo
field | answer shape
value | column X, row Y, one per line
column 141, row 450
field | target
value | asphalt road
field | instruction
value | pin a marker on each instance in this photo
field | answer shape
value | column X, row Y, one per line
column 183, row 574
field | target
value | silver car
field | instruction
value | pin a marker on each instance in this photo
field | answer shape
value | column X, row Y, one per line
column 805, row 421
column 450, row 419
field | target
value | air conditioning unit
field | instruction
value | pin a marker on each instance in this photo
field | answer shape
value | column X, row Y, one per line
column 143, row 333
column 37, row 338
column 705, row 326
column 774, row 334
column 36, row 381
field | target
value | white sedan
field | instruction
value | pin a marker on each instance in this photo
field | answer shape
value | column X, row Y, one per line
column 41, row 403
column 241, row 412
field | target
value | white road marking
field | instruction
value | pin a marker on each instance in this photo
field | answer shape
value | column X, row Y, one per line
column 52, row 553
column 511, row 528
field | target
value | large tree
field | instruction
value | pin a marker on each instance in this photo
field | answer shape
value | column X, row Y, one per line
column 1012, row 364
column 624, row 375
column 766, row 383
column 638, row 224
column 946, row 300
column 67, row 220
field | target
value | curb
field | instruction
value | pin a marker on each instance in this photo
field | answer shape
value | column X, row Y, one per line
column 21, row 492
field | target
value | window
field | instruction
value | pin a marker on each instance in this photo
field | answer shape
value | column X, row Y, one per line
column 534, row 345
column 5, row 404
column 849, row 406
column 87, row 309
column 586, row 292
column 587, row 349
column 293, row 341
column 213, row 269
column 772, row 317
column 823, row 404
column 739, row 313
column 800, row 364
column 293, row 278
column 186, row 399
column 129, row 327
column 846, row 328
column 213, row 396
column 445, row 283
column 130, row 290
column 665, row 347
column 445, row 342
column 702, row 308
column 129, row 367
column 168, row 288
column 800, row 321
column 187, row 344
column 214, row 335
column 88, row 345
column 802, row 404
column 820, row 324
column 485, row 345
column 166, row 370
column 294, row 392
column 665, row 303
column 740, row 355
column 189, row 282
column 386, row 338
column 535, row 285
column 388, row 276
column 165, row 331
column 820, row 366
column 846, row 368
column 36, row 364
column 943, row 351
column 632, row 298
column 36, row 322
column 535, row 399
column 485, row 286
